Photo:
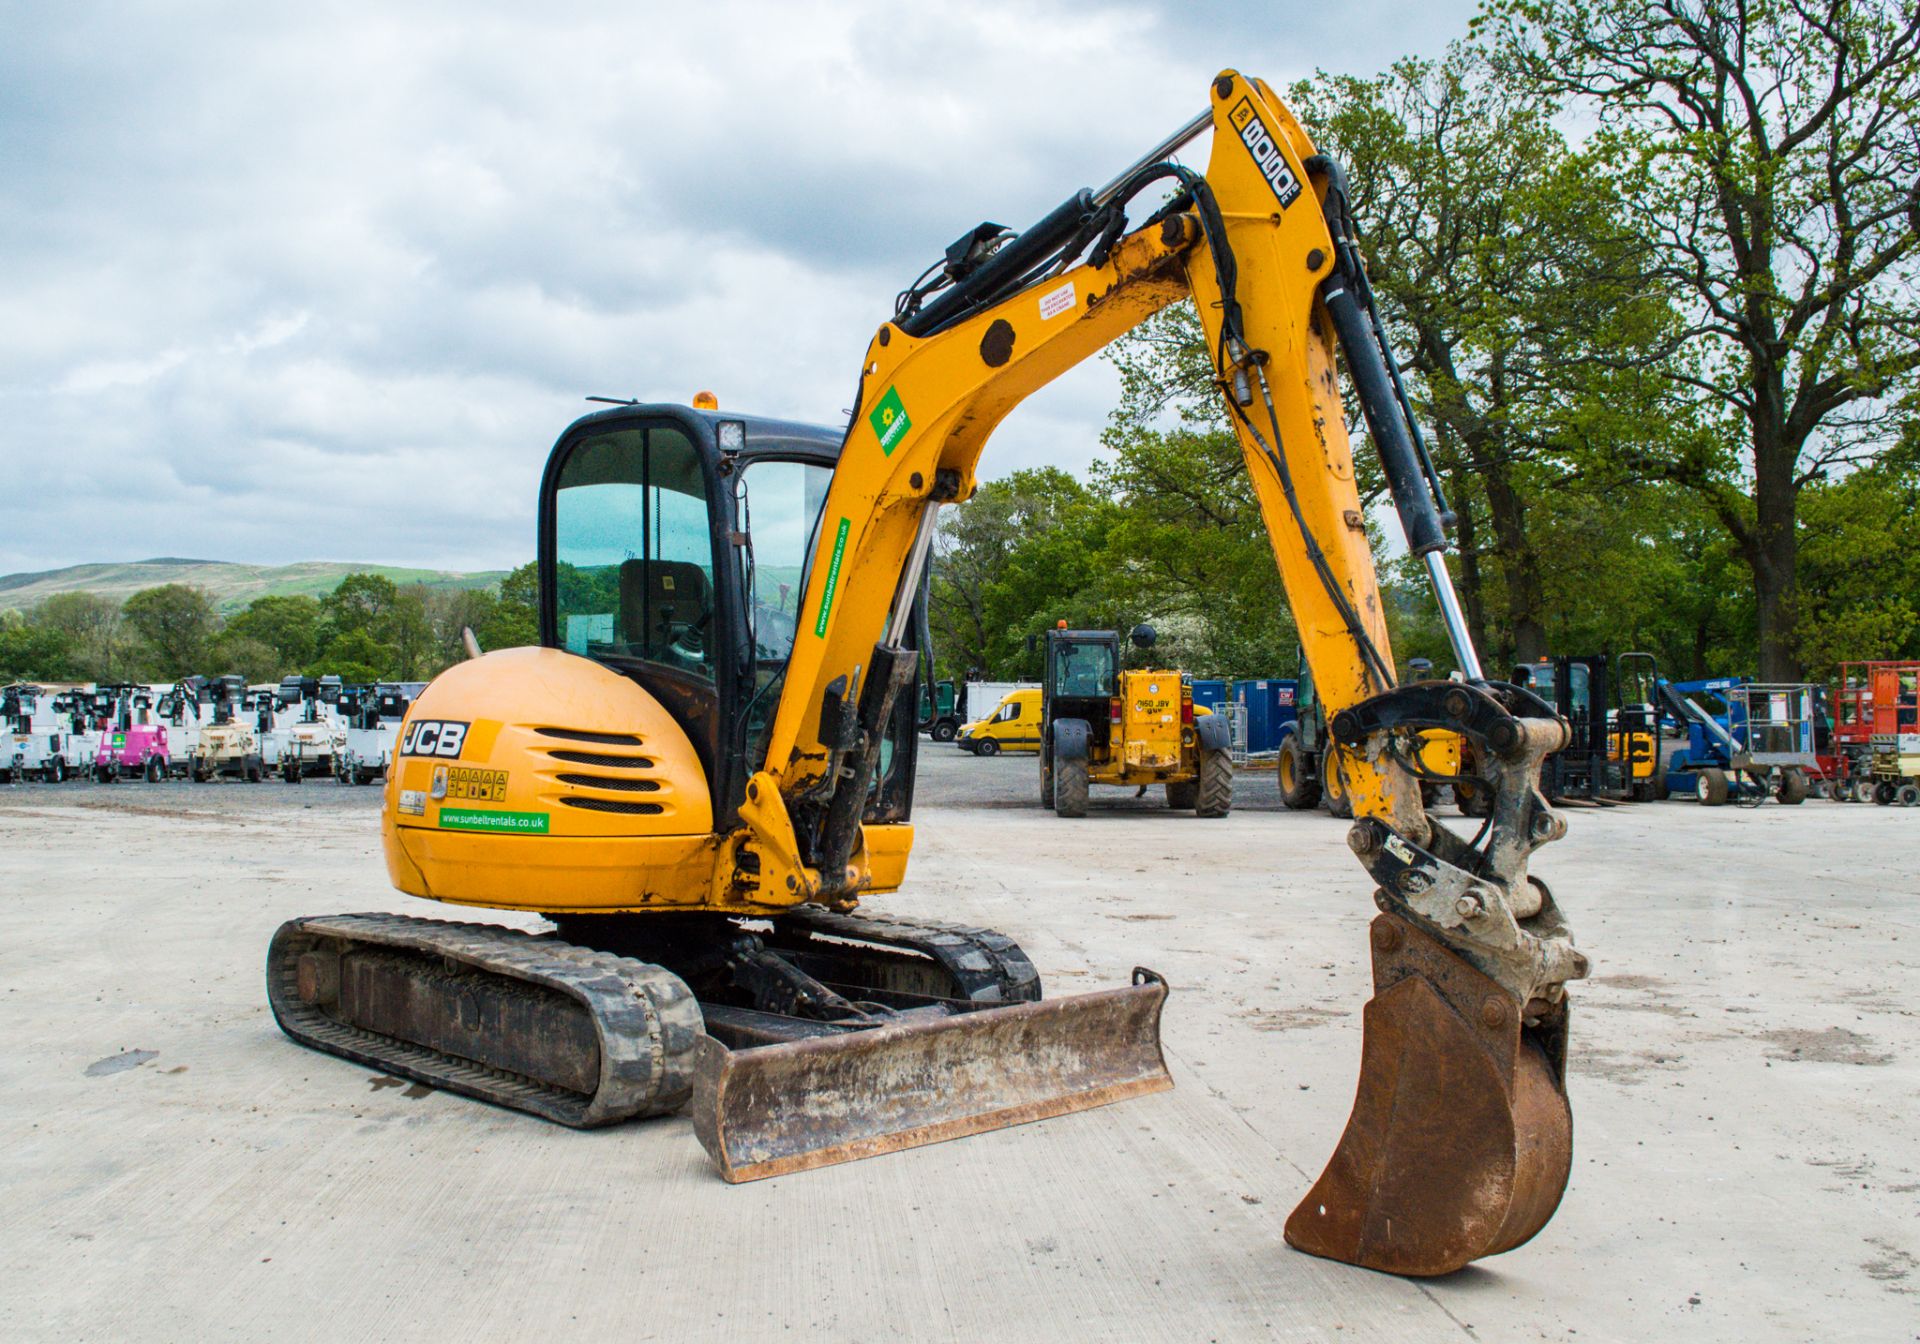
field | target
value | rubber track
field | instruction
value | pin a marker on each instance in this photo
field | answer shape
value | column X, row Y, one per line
column 988, row 966
column 646, row 1018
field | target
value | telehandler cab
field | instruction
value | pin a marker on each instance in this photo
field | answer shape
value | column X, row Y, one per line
column 701, row 786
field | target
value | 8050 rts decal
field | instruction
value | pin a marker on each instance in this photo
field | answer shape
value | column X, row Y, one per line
column 1265, row 148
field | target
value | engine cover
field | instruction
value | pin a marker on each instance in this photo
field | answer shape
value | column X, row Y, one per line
column 536, row 779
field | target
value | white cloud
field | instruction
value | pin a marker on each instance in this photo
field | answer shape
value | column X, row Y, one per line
column 282, row 283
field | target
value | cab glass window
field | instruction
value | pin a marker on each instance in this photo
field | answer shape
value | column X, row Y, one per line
column 1084, row 669
column 1008, row 712
column 633, row 550
column 1578, row 698
column 779, row 507
column 781, row 513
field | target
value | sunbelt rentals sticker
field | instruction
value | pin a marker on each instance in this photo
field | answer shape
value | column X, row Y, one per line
column 487, row 819
column 889, row 421
column 833, row 579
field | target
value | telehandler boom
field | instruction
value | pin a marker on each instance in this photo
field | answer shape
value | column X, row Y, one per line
column 708, row 763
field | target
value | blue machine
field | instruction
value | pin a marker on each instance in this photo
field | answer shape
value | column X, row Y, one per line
column 1725, row 717
column 1712, row 736
column 1268, row 708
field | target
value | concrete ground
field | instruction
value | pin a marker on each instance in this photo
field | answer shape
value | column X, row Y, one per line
column 1746, row 1067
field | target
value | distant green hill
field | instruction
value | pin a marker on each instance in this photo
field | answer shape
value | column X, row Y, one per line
column 232, row 585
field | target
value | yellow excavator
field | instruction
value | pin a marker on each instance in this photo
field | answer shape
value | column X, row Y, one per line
column 706, row 768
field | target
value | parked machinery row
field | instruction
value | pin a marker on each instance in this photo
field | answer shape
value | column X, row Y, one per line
column 1745, row 741
column 202, row 729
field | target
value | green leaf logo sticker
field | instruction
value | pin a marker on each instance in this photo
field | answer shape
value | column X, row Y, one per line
column 889, row 421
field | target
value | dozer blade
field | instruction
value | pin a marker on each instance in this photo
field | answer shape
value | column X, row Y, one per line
column 773, row 1109
column 1461, row 1139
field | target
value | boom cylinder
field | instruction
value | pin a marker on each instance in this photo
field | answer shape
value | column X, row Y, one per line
column 1387, row 424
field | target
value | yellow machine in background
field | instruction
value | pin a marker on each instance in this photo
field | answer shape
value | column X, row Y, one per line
column 707, row 767
column 1102, row 724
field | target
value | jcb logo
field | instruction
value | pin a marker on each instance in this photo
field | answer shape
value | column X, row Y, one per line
column 433, row 737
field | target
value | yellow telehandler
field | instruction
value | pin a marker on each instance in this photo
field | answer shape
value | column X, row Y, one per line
column 1104, row 724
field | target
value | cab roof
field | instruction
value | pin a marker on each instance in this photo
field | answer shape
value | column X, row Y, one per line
column 766, row 434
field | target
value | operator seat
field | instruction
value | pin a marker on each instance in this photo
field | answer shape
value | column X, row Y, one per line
column 660, row 599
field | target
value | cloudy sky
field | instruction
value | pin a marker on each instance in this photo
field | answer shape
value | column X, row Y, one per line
column 324, row 281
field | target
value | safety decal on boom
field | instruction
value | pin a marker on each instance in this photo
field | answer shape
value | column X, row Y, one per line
column 889, row 421
column 833, row 579
column 1264, row 145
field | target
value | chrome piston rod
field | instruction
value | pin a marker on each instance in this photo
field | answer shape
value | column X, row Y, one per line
column 1171, row 145
column 1465, row 657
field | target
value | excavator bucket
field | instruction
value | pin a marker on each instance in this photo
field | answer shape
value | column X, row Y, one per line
column 1461, row 1139
column 772, row 1109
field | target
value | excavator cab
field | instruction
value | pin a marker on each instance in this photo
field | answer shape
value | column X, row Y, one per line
column 673, row 547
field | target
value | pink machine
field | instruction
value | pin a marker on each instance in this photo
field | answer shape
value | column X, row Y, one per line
column 132, row 745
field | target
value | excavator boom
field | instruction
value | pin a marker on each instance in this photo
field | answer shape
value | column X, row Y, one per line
column 1460, row 1139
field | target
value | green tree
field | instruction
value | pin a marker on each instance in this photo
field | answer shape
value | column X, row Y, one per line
column 354, row 656
column 176, row 623
column 1021, row 554
column 409, row 633
column 93, row 631
column 513, row 621
column 1860, row 563
column 249, row 657
column 289, row 626
column 1766, row 151
column 360, row 602
column 1188, row 543
column 1517, row 294
column 31, row 652
column 450, row 611
column 521, row 587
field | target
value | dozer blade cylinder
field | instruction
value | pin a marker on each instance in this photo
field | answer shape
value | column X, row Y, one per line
column 1461, row 1139
column 774, row 1109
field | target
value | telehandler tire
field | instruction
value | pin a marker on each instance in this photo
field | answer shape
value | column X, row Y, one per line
column 1215, row 785
column 1333, row 781
column 1046, row 782
column 1070, row 788
column 1296, row 791
column 1183, row 795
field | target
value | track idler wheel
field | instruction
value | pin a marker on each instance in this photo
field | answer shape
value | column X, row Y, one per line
column 1461, row 1138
